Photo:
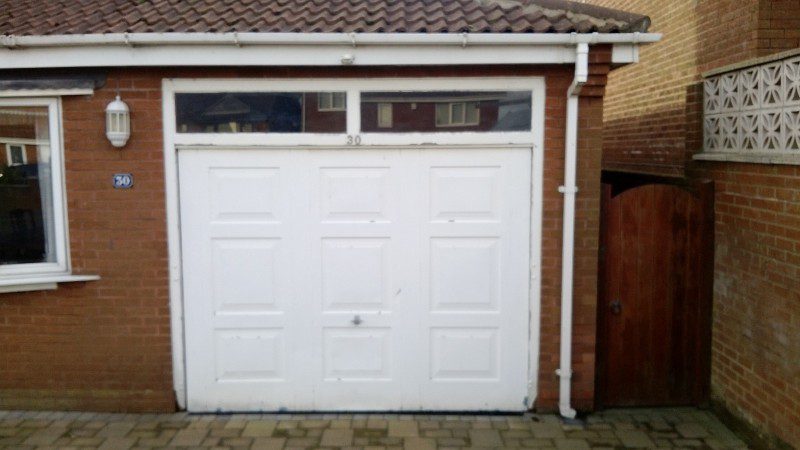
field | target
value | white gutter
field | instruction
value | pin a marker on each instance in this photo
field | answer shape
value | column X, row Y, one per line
column 353, row 39
column 306, row 49
column 569, row 189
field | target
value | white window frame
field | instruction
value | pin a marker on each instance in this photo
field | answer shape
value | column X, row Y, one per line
column 353, row 87
column 353, row 138
column 11, row 274
column 388, row 120
column 332, row 96
column 9, row 154
column 452, row 123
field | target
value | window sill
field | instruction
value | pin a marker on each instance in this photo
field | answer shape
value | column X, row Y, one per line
column 41, row 283
column 792, row 158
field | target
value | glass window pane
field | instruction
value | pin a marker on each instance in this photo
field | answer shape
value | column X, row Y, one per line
column 384, row 115
column 442, row 114
column 16, row 154
column 324, row 100
column 339, row 100
column 456, row 113
column 472, row 113
column 260, row 112
column 27, row 229
column 430, row 111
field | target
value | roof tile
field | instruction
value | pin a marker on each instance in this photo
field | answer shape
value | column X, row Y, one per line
column 49, row 17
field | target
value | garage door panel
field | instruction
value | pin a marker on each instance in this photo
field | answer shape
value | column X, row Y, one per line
column 469, row 194
column 226, row 185
column 464, row 353
column 246, row 274
column 355, row 194
column 363, row 280
column 357, row 354
column 253, row 355
column 356, row 274
column 464, row 274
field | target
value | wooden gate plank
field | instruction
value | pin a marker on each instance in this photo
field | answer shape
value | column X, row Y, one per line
column 657, row 261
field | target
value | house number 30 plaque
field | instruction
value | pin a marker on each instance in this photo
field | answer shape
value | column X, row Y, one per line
column 123, row 180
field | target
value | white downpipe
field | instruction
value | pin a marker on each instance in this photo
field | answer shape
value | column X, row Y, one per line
column 570, row 189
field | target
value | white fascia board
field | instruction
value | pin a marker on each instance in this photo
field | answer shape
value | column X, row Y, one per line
column 624, row 54
column 297, row 49
column 44, row 92
column 277, row 55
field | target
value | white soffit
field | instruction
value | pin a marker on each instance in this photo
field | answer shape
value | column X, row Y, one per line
column 310, row 49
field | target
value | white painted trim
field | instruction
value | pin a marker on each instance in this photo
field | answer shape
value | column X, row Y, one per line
column 25, row 284
column 20, row 141
column 537, row 206
column 12, row 93
column 173, row 243
column 277, row 55
column 624, row 54
column 783, row 158
column 173, row 141
column 299, row 49
column 61, row 266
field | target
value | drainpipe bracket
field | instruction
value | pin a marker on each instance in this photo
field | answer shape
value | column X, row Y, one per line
column 565, row 374
column 8, row 42
column 568, row 189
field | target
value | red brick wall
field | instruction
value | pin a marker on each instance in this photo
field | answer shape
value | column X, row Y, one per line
column 778, row 26
column 653, row 124
column 645, row 118
column 105, row 345
column 101, row 345
column 755, row 368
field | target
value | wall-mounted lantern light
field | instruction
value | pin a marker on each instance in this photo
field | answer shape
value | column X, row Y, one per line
column 118, row 123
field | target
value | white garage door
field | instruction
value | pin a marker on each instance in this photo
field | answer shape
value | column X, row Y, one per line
column 356, row 279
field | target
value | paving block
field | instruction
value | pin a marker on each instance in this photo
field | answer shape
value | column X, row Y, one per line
column 418, row 443
column 485, row 438
column 635, row 439
column 341, row 423
column 403, row 428
column 189, row 437
column 336, row 437
column 314, row 423
column 259, row 428
column 547, row 430
column 692, row 430
column 262, row 443
column 572, row 444
column 117, row 443
column 116, row 429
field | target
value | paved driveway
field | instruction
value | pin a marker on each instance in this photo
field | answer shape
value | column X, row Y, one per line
column 663, row 428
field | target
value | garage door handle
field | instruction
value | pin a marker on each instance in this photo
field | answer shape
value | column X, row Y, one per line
column 356, row 320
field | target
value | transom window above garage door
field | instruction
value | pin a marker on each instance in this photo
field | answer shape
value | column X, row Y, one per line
column 353, row 112
column 261, row 112
column 445, row 111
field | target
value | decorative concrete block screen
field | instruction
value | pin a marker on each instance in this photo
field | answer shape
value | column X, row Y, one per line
column 755, row 109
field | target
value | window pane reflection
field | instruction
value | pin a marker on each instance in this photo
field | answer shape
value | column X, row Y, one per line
column 261, row 112
column 446, row 111
column 26, row 191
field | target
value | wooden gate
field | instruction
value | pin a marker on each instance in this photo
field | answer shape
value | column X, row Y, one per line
column 654, row 313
